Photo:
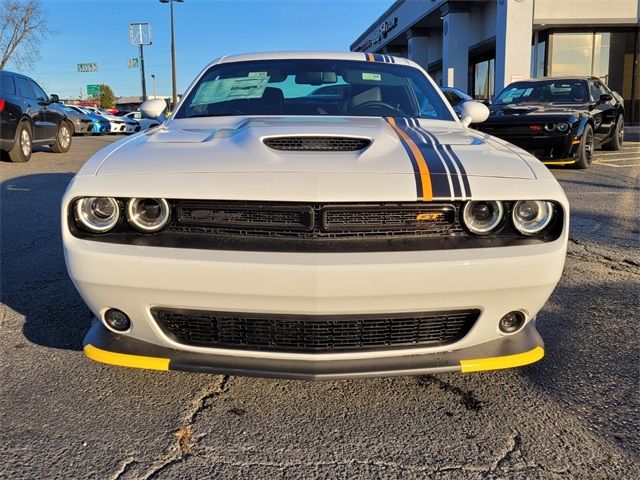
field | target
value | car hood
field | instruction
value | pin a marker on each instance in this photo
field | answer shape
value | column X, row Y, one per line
column 534, row 110
column 236, row 145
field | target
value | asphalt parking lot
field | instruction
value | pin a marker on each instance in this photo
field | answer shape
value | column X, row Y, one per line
column 575, row 414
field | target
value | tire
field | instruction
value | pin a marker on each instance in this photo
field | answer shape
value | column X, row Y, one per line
column 617, row 137
column 63, row 139
column 22, row 148
column 587, row 144
column 73, row 129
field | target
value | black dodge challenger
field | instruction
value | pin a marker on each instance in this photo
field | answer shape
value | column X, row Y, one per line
column 560, row 120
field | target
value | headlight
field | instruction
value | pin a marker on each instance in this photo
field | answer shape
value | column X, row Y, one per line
column 97, row 214
column 562, row 126
column 531, row 216
column 549, row 127
column 482, row 217
column 148, row 214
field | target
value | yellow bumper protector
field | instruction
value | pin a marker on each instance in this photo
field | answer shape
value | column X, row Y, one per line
column 563, row 162
column 125, row 360
column 497, row 363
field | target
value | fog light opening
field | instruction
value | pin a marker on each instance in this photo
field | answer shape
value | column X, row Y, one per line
column 117, row 320
column 511, row 322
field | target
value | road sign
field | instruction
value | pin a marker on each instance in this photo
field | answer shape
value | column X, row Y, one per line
column 87, row 67
column 133, row 62
column 93, row 90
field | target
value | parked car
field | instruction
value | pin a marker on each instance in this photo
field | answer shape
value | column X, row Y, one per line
column 265, row 230
column 145, row 123
column 101, row 125
column 456, row 98
column 560, row 120
column 117, row 124
column 131, row 126
column 28, row 117
column 81, row 123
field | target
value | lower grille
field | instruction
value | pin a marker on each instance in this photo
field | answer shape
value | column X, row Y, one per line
column 315, row 334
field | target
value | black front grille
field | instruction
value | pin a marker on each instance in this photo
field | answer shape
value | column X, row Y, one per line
column 315, row 334
column 317, row 144
column 255, row 219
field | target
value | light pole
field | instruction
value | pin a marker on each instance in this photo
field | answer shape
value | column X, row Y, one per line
column 173, row 54
column 153, row 77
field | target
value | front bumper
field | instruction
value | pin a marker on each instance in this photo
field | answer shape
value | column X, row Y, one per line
column 550, row 149
column 516, row 350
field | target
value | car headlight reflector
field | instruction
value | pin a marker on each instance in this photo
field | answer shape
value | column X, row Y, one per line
column 97, row 214
column 562, row 126
column 482, row 217
column 148, row 214
column 532, row 216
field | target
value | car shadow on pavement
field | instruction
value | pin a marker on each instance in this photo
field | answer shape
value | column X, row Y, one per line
column 33, row 277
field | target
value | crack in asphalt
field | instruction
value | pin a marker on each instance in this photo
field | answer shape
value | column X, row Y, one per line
column 125, row 466
column 182, row 446
column 587, row 253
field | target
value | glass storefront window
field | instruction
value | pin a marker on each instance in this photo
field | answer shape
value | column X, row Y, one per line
column 572, row 54
column 483, row 83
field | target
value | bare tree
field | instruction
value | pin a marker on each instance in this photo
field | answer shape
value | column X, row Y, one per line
column 23, row 28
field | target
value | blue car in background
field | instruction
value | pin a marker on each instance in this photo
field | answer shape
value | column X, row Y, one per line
column 101, row 125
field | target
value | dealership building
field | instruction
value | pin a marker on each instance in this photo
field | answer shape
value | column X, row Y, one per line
column 480, row 46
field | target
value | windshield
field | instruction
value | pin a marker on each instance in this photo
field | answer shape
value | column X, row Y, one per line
column 553, row 91
column 314, row 87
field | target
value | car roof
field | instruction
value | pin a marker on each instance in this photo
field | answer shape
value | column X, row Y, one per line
column 304, row 55
column 568, row 78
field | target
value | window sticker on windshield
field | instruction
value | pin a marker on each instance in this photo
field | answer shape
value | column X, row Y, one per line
column 257, row 74
column 225, row 89
column 371, row 76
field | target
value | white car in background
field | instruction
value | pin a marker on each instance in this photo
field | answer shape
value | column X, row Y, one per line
column 266, row 230
column 145, row 123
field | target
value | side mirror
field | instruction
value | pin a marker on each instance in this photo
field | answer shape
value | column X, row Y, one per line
column 154, row 109
column 54, row 98
column 473, row 112
column 605, row 97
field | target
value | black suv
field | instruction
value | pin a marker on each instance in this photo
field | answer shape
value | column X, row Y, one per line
column 28, row 117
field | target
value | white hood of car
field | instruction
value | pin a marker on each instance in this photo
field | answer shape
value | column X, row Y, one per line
column 235, row 145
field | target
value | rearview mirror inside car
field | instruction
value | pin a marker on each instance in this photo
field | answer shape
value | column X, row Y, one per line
column 473, row 112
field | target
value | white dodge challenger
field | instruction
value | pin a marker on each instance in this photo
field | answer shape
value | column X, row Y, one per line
column 314, row 216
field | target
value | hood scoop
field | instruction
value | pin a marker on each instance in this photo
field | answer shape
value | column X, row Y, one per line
column 317, row 143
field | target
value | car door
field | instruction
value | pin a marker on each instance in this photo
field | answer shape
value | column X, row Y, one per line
column 603, row 113
column 52, row 116
column 32, row 108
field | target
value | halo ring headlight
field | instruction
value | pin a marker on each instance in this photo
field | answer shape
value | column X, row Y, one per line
column 148, row 214
column 482, row 217
column 530, row 217
column 562, row 126
column 97, row 214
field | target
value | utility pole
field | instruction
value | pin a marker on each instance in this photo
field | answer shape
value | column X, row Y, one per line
column 153, row 77
column 140, row 34
column 174, row 95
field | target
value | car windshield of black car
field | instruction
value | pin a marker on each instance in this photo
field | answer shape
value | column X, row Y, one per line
column 552, row 91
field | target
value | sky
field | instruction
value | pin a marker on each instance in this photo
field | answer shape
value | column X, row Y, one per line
column 97, row 31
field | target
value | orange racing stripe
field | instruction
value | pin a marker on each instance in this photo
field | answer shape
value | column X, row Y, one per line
column 425, row 176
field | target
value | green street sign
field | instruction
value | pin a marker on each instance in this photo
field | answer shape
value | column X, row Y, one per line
column 87, row 67
column 93, row 90
column 133, row 63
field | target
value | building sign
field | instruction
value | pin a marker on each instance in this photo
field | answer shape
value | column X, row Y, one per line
column 87, row 67
column 133, row 63
column 93, row 90
column 379, row 35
